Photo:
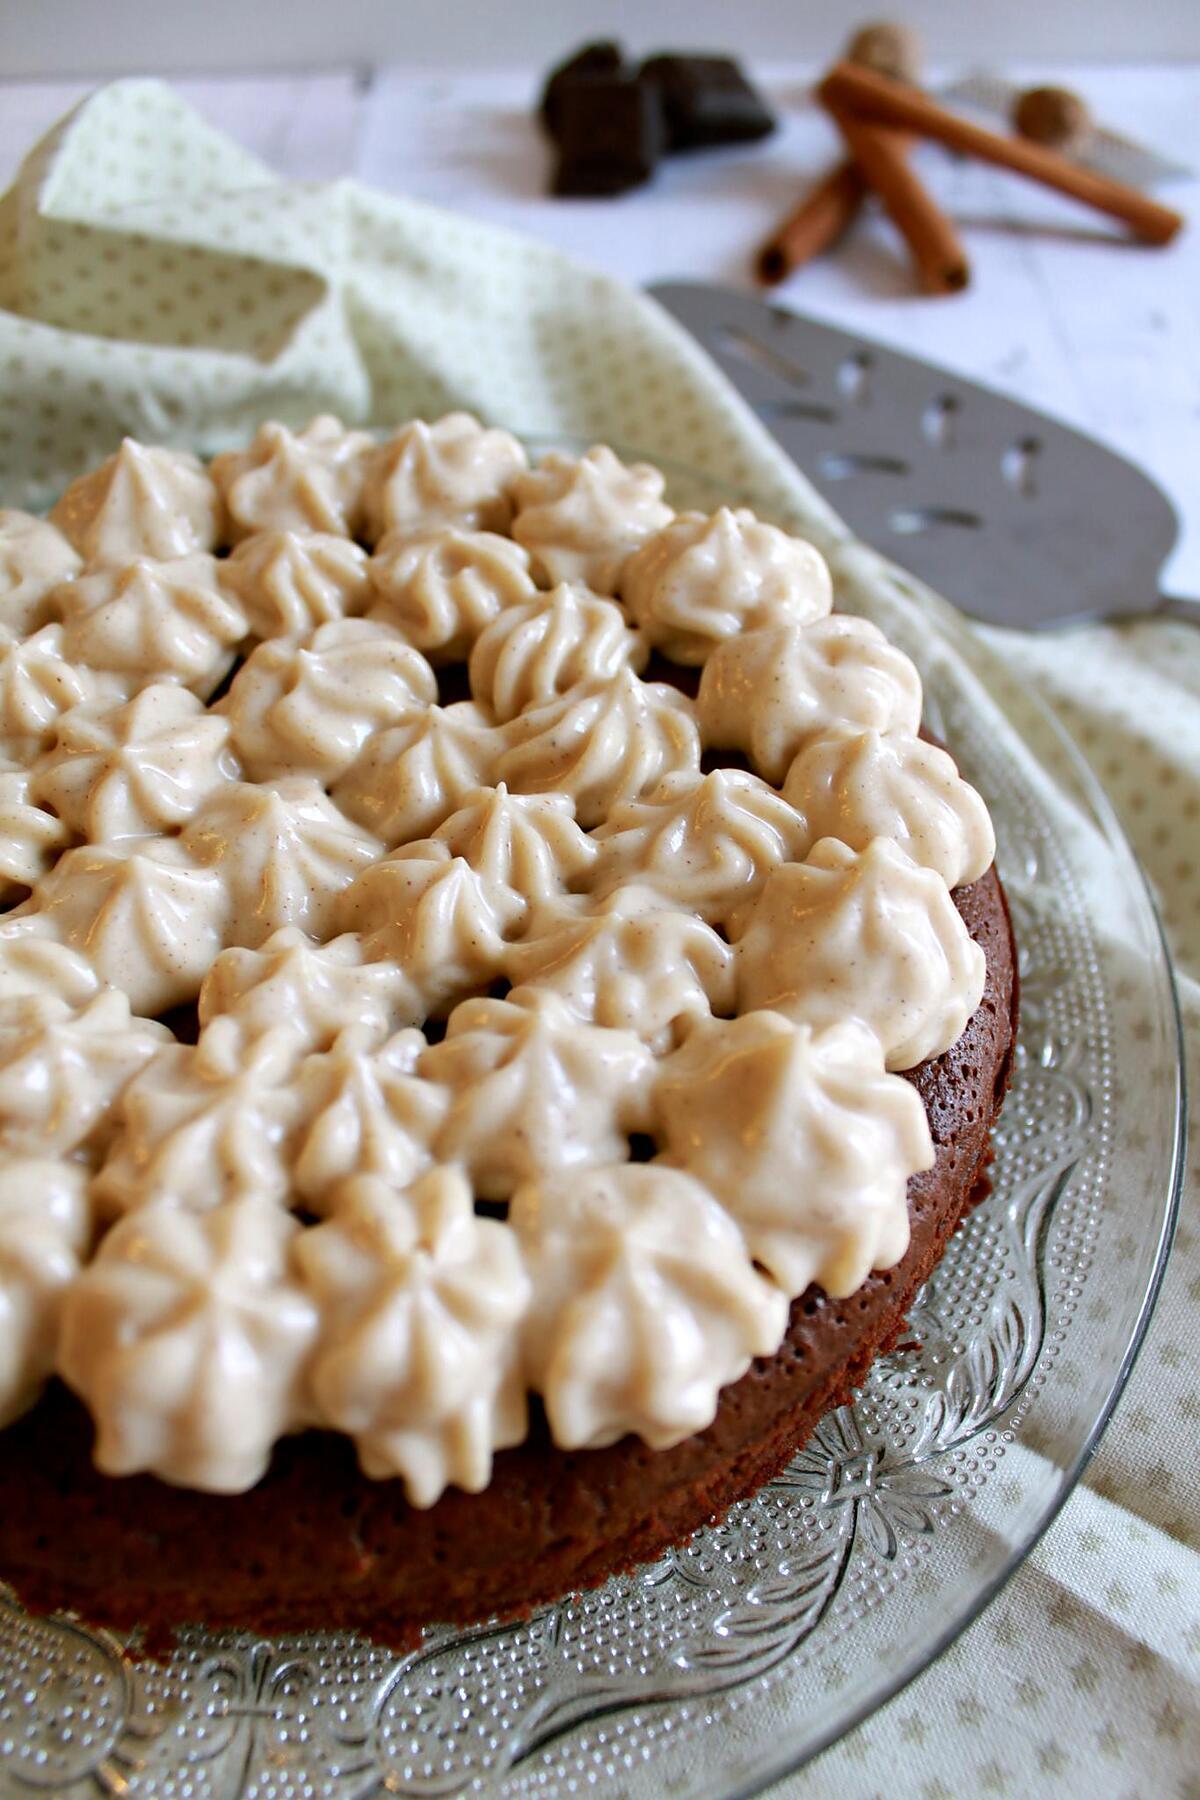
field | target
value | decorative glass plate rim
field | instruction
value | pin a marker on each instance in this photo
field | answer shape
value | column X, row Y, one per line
column 968, row 1602
column 978, row 1603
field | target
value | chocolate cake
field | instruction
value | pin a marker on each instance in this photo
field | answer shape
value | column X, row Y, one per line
column 450, row 1149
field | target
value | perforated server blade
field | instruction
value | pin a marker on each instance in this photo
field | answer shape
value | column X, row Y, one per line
column 1017, row 519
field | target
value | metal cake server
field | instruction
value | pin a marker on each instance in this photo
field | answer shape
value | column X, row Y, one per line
column 1017, row 519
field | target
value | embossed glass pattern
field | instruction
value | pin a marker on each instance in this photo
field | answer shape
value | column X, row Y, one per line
column 756, row 1644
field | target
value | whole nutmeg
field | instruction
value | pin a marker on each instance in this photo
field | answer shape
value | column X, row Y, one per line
column 889, row 49
column 1052, row 116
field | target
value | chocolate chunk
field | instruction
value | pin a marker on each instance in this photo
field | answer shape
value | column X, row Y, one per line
column 610, row 135
column 588, row 62
column 706, row 100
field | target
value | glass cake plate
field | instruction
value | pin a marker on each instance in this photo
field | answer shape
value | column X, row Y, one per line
column 747, row 1650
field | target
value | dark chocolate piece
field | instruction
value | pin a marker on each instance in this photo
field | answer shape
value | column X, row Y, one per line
column 707, row 100
column 610, row 135
column 588, row 62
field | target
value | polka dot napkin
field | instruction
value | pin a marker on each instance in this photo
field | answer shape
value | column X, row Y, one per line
column 157, row 280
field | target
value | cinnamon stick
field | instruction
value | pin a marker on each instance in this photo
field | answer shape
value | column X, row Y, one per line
column 881, row 156
column 872, row 96
column 825, row 212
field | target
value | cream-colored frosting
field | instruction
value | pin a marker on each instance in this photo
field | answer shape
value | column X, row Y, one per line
column 419, row 1302
column 409, row 779
column 317, row 990
column 289, row 582
column 283, row 852
column 309, row 480
column 366, row 1112
column 34, row 961
column 704, row 842
column 581, row 518
column 701, row 580
column 863, row 785
column 602, row 744
column 37, row 685
column 565, row 639
column 645, row 1305
column 154, row 621
column 804, row 1139
column 442, row 921
column 453, row 472
column 144, row 913
column 30, row 837
column 34, row 558
column 528, row 844
column 451, row 854
column 136, row 769
column 440, row 588
column 144, row 501
column 45, row 1227
column 307, row 706
column 187, row 1338
column 772, row 691
column 862, row 935
column 533, row 1091
column 205, row 1123
column 629, row 961
column 63, row 1068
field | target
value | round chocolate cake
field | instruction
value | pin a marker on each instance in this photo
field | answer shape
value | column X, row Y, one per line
column 466, row 1108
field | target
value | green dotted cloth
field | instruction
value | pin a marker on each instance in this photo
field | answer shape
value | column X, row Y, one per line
column 157, row 280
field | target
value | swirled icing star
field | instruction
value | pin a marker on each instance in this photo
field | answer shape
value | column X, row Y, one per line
column 862, row 935
column 528, row 844
column 857, row 786
column 154, row 621
column 701, row 580
column 144, row 501
column 205, row 1123
column 144, row 913
column 419, row 1303
column 34, row 558
column 307, row 706
column 303, row 481
column 581, row 518
column 283, row 852
column 602, row 744
column 705, row 842
column 453, row 472
column 629, row 962
column 187, row 1338
column 771, row 691
column 30, row 837
column 646, row 1303
column 367, row 1112
column 317, row 989
column 434, row 915
column 440, row 588
column 409, row 779
column 532, row 1089
column 63, row 1068
column 288, row 582
column 45, row 1227
column 38, row 683
column 536, row 651
column 803, row 1137
column 140, row 768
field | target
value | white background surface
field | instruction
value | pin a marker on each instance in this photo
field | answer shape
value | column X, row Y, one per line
column 48, row 37
column 1061, row 313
